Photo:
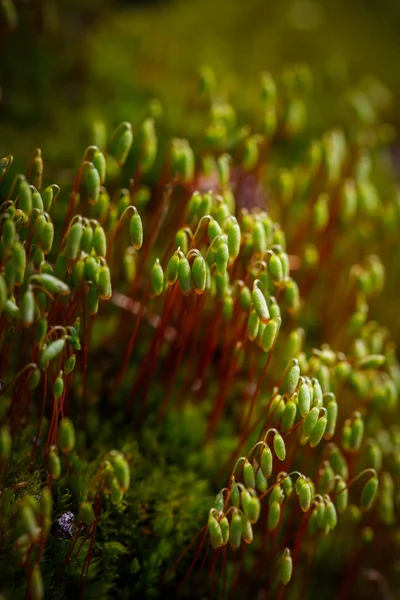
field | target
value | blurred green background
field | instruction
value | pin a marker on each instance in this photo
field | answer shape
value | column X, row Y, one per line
column 69, row 63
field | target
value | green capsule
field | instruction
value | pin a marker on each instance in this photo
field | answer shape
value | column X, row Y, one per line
column 259, row 239
column 357, row 433
column 260, row 304
column 374, row 455
column 330, row 515
column 121, row 470
column 99, row 241
column 270, row 333
column 40, row 331
column 305, row 495
column 136, row 231
column 261, row 481
column 310, row 421
column 89, row 189
column 338, row 462
column 5, row 443
column 369, row 492
column 87, row 239
column 274, row 515
column 25, row 198
column 73, row 242
column 182, row 160
column 214, row 230
column 19, row 260
column 52, row 284
column 276, row 407
column 236, row 530
column 92, row 268
column 332, row 413
column 99, row 163
column 245, row 301
column 292, row 377
column 234, row 238
column 292, row 295
column 247, row 531
column 248, row 475
column 318, row 431
column 253, row 509
column 66, row 436
column 50, row 352
column 28, row 308
column 372, row 361
column 172, row 269
column 275, row 270
column 28, row 520
column 304, row 399
column 222, row 258
column 219, row 502
column 8, row 233
column 78, row 273
column 214, row 530
column 184, row 276
column 46, row 237
column 92, row 300
column 279, row 446
column 221, row 285
column 286, row 568
column 116, row 493
column 121, row 142
column 227, row 308
column 321, row 212
column 12, row 310
column 286, row 483
column 266, row 461
column 58, row 386
column 326, row 478
column 104, row 283
column 199, row 274
column 289, row 416
column 3, row 294
column 34, row 378
column 86, row 513
column 61, row 266
column 224, row 524
column 69, row 364
column 54, row 463
column 38, row 258
column 148, row 145
column 235, row 495
column 253, row 325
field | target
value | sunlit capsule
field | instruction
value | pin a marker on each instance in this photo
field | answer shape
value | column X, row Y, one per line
column 292, row 377
column 259, row 238
column 270, row 333
column 121, row 470
column 332, row 413
column 25, row 198
column 52, row 284
column 222, row 258
column 92, row 269
column 235, row 495
column 51, row 352
column 260, row 304
column 253, row 324
column 286, row 567
column 318, row 431
column 248, row 475
column 215, row 533
column 261, row 481
column 199, row 274
column 266, row 461
column 234, row 238
column 279, row 446
column 99, row 241
column 87, row 239
column 289, row 416
column 172, row 269
column 305, row 495
column 184, row 276
column 274, row 515
column 136, row 231
column 304, row 399
column 89, row 189
column 330, row 515
column 121, row 142
column 73, row 241
column 224, row 524
column 275, row 269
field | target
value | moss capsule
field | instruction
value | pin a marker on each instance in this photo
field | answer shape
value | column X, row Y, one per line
column 215, row 533
column 369, row 492
column 184, row 276
column 318, row 431
column 73, row 241
column 28, row 308
column 279, row 446
column 66, row 436
column 260, row 304
column 199, row 274
column 136, row 231
column 248, row 475
column 51, row 352
column 104, row 283
column 121, row 142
